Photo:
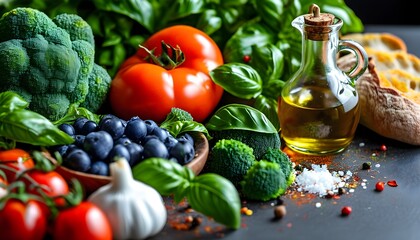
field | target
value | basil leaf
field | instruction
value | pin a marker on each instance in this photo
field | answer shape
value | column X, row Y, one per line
column 238, row 79
column 216, row 197
column 74, row 113
column 25, row 126
column 239, row 116
column 268, row 61
column 165, row 176
column 10, row 101
column 268, row 106
column 209, row 22
column 178, row 127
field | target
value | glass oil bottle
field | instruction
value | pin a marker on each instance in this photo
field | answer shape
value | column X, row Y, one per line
column 319, row 105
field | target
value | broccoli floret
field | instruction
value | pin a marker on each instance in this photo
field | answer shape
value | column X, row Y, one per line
column 258, row 141
column 51, row 66
column 230, row 159
column 264, row 181
column 178, row 114
column 276, row 155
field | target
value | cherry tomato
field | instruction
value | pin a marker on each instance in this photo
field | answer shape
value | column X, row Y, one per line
column 147, row 90
column 17, row 159
column 19, row 220
column 83, row 221
column 52, row 184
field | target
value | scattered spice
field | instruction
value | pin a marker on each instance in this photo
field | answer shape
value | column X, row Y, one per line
column 392, row 183
column 379, row 186
column 345, row 211
column 366, row 165
column 280, row 211
column 246, row 211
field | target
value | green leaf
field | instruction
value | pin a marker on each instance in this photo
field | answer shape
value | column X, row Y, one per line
column 216, row 197
column 268, row 106
column 10, row 101
column 76, row 112
column 268, row 61
column 238, row 79
column 239, row 116
column 209, row 22
column 165, row 176
column 176, row 128
column 32, row 128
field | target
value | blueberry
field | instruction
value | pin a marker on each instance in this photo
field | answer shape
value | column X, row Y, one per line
column 78, row 160
column 79, row 140
column 62, row 149
column 183, row 152
column 106, row 118
column 148, row 137
column 155, row 148
column 78, row 124
column 98, row 145
column 88, row 127
column 114, row 126
column 161, row 133
column 99, row 168
column 118, row 151
column 170, row 141
column 150, row 125
column 67, row 128
column 186, row 137
column 67, row 149
column 136, row 129
column 136, row 153
column 122, row 140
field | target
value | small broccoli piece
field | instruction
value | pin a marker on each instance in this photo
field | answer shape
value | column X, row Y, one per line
column 258, row 141
column 178, row 114
column 264, row 181
column 278, row 156
column 99, row 84
column 230, row 159
column 76, row 26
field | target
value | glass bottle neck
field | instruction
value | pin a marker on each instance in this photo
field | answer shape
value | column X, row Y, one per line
column 320, row 54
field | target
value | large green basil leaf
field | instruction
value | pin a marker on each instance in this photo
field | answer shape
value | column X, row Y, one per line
column 142, row 11
column 165, row 176
column 272, row 89
column 238, row 79
column 292, row 51
column 9, row 101
column 240, row 116
column 209, row 22
column 180, row 8
column 29, row 127
column 268, row 61
column 268, row 106
column 249, row 34
column 216, row 197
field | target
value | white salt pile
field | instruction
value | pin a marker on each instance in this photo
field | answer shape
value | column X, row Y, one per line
column 319, row 180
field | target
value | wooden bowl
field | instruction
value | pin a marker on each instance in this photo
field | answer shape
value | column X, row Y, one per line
column 92, row 182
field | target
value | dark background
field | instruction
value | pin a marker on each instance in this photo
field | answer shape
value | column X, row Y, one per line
column 390, row 12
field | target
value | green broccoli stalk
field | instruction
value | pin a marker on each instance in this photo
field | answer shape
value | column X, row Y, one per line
column 276, row 155
column 231, row 159
column 264, row 181
column 258, row 141
column 50, row 62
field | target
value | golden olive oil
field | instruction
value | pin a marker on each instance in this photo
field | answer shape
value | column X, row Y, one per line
column 315, row 121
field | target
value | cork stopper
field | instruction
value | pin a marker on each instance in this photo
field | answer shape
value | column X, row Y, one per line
column 317, row 23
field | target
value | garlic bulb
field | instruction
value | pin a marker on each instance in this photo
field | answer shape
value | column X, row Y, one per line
column 134, row 209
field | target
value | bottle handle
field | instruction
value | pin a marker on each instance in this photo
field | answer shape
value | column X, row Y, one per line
column 361, row 58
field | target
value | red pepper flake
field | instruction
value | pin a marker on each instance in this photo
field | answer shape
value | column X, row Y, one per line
column 345, row 211
column 392, row 183
column 379, row 186
column 246, row 58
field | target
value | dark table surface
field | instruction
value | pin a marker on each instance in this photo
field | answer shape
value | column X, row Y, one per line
column 388, row 215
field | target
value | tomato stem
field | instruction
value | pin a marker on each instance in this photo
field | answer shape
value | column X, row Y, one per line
column 169, row 59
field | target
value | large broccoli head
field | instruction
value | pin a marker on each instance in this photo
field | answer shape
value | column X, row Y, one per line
column 258, row 141
column 231, row 159
column 50, row 62
column 264, row 181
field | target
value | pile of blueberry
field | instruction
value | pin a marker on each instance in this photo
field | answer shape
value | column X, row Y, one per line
column 98, row 144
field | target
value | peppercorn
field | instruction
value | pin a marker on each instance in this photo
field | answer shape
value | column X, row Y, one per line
column 280, row 211
column 366, row 165
column 342, row 191
column 383, row 147
column 246, row 58
column 379, row 186
column 345, row 211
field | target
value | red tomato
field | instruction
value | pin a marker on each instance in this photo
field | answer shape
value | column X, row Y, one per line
column 144, row 89
column 20, row 220
column 52, row 184
column 83, row 221
column 17, row 159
